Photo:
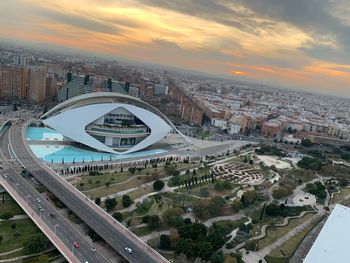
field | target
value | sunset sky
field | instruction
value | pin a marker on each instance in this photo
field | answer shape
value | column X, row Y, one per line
column 292, row 43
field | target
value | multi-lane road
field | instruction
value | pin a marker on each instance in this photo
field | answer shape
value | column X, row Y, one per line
column 59, row 225
column 114, row 233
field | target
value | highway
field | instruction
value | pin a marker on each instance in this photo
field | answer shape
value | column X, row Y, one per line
column 60, row 226
column 114, row 233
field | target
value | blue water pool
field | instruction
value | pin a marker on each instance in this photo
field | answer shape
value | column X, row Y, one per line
column 68, row 154
column 43, row 134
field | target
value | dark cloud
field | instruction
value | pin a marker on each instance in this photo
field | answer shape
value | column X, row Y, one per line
column 311, row 16
column 216, row 11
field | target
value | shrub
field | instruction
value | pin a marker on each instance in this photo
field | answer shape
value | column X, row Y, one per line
column 158, row 185
column 118, row 216
column 126, row 201
column 6, row 215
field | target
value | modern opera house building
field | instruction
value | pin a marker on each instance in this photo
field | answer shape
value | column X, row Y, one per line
column 109, row 122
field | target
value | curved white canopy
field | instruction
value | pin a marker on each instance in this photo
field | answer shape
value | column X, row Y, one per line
column 72, row 123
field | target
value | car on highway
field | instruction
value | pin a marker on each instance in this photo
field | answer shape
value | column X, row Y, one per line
column 41, row 210
column 53, row 215
column 93, row 249
column 76, row 244
column 38, row 200
column 129, row 250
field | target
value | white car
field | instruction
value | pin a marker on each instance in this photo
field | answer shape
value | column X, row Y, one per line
column 93, row 249
column 129, row 250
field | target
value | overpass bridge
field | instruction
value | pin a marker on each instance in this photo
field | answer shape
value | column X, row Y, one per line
column 114, row 233
column 57, row 228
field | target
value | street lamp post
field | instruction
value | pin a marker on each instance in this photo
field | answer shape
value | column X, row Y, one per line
column 56, row 225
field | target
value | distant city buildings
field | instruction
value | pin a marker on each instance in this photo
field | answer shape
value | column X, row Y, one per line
column 229, row 106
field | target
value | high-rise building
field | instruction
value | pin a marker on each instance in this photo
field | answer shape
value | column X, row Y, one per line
column 77, row 85
column 51, row 87
column 37, row 85
column 161, row 89
column 14, row 83
column 22, row 83
column 21, row 60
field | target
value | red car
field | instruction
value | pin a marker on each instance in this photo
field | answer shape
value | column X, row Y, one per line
column 76, row 244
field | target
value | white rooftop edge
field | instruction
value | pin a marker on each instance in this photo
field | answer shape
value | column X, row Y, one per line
column 332, row 243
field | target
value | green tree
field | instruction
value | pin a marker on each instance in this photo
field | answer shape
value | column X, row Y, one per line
column 306, row 142
column 237, row 205
column 217, row 238
column 108, row 184
column 118, row 216
column 35, row 243
column 215, row 205
column 173, row 216
column 154, row 222
column 126, row 201
column 110, row 203
column 164, row 242
column 193, row 231
column 98, row 201
column 282, row 191
column 249, row 197
column 217, row 257
column 222, row 185
column 251, row 245
column 6, row 215
column 204, row 249
column 184, row 246
column 158, row 185
column 272, row 209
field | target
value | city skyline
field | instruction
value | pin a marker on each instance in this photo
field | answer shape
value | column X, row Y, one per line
column 294, row 44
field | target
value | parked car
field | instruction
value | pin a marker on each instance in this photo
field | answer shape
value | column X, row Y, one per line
column 129, row 250
column 76, row 244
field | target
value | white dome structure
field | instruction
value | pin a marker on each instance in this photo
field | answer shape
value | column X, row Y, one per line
column 109, row 122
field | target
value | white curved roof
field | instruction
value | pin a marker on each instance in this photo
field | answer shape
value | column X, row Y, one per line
column 72, row 123
column 104, row 97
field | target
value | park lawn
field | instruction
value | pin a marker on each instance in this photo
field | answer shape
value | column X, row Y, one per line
column 274, row 233
column 159, row 208
column 115, row 188
column 289, row 247
column 118, row 178
column 10, row 206
column 201, row 133
column 12, row 255
column 276, row 260
column 230, row 259
column 338, row 197
column 25, row 227
column 211, row 188
column 229, row 225
column 140, row 192
column 142, row 231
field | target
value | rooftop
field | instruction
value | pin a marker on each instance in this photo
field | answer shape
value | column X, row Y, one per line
column 332, row 244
